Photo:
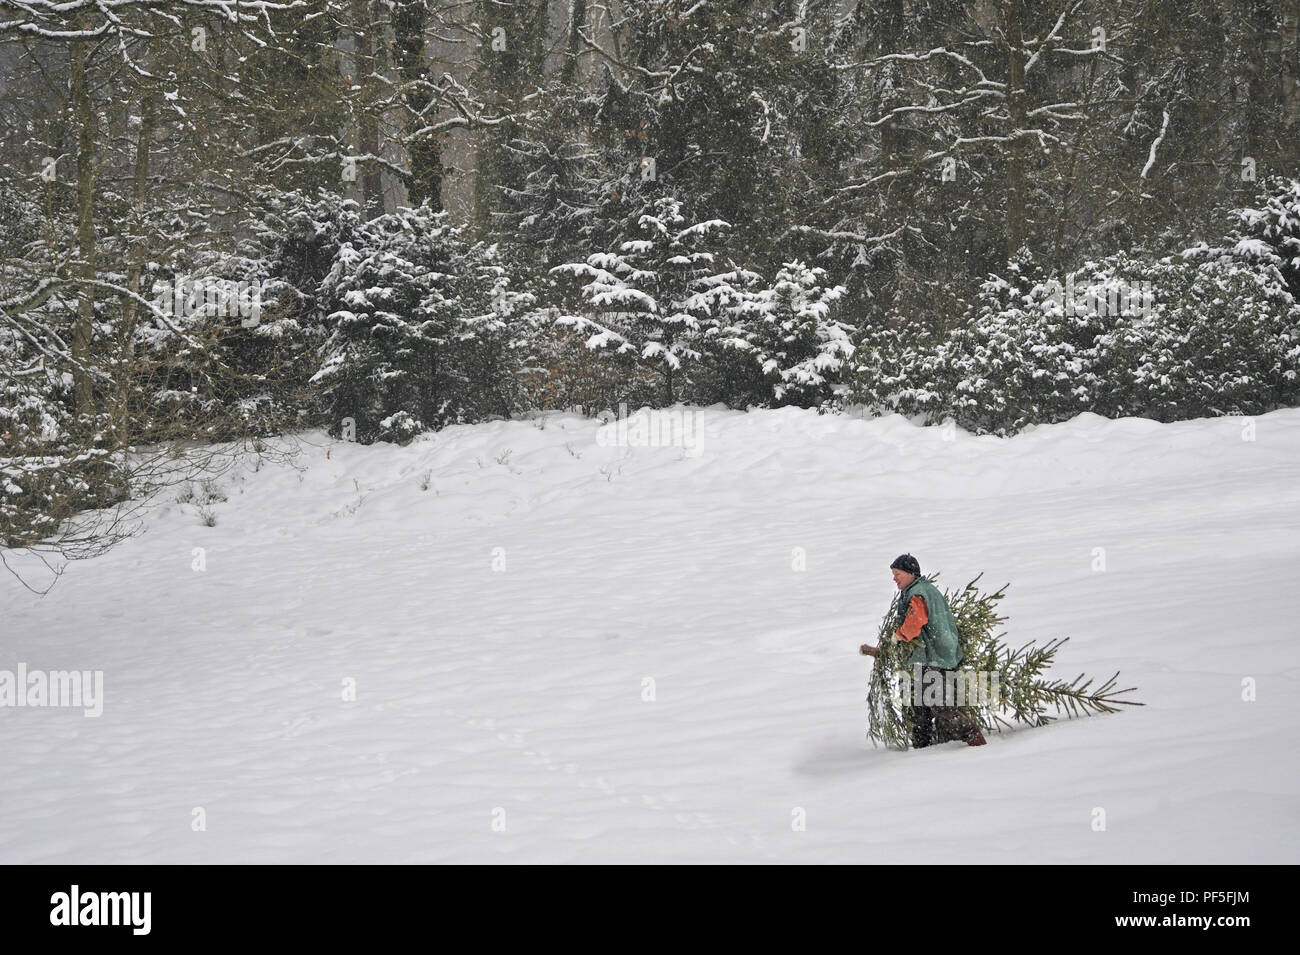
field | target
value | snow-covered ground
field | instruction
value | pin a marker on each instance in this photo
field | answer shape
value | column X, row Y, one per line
column 501, row 628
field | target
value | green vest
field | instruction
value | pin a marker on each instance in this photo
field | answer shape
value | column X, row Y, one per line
column 937, row 645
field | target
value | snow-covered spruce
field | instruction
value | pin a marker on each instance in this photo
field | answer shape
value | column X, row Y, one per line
column 423, row 328
column 1213, row 330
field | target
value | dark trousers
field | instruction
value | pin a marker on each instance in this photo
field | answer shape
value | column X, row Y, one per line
column 938, row 724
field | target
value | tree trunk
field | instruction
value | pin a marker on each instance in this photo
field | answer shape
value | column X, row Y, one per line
column 84, row 115
column 423, row 152
column 134, row 270
column 889, row 31
column 372, row 186
column 1291, row 64
column 504, row 75
column 577, row 20
column 1015, row 148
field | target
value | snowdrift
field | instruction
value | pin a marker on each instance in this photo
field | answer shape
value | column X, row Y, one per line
column 543, row 641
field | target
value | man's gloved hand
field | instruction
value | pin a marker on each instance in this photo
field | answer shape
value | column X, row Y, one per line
column 868, row 650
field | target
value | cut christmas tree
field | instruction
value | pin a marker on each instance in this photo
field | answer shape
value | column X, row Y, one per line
column 1008, row 686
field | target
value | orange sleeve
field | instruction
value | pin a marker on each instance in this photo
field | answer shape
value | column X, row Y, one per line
column 917, row 617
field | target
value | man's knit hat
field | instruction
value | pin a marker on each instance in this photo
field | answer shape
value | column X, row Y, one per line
column 908, row 563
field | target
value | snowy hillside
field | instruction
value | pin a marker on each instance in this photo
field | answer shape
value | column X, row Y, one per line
column 501, row 627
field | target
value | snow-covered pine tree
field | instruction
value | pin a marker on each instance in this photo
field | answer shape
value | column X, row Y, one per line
column 551, row 216
column 498, row 337
column 1015, row 359
column 790, row 341
column 1268, row 231
column 421, row 323
column 654, row 299
column 706, row 102
column 1214, row 330
column 1223, row 338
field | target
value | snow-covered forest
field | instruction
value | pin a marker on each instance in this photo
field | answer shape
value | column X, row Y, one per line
column 226, row 220
column 243, row 238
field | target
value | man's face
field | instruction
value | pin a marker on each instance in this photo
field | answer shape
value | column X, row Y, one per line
column 902, row 578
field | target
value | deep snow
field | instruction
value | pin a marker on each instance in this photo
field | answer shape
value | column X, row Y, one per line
column 482, row 690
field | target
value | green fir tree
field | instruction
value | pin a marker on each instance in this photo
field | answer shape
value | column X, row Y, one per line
column 1024, row 691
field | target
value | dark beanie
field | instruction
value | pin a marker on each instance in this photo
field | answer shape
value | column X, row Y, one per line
column 906, row 562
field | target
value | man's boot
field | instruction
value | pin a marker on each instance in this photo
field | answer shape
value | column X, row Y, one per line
column 952, row 724
column 921, row 721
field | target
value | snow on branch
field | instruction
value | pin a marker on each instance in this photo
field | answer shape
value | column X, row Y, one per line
column 922, row 58
column 1051, row 35
column 1151, row 159
column 49, row 20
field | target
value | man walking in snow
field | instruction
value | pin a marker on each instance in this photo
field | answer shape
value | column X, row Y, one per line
column 923, row 613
